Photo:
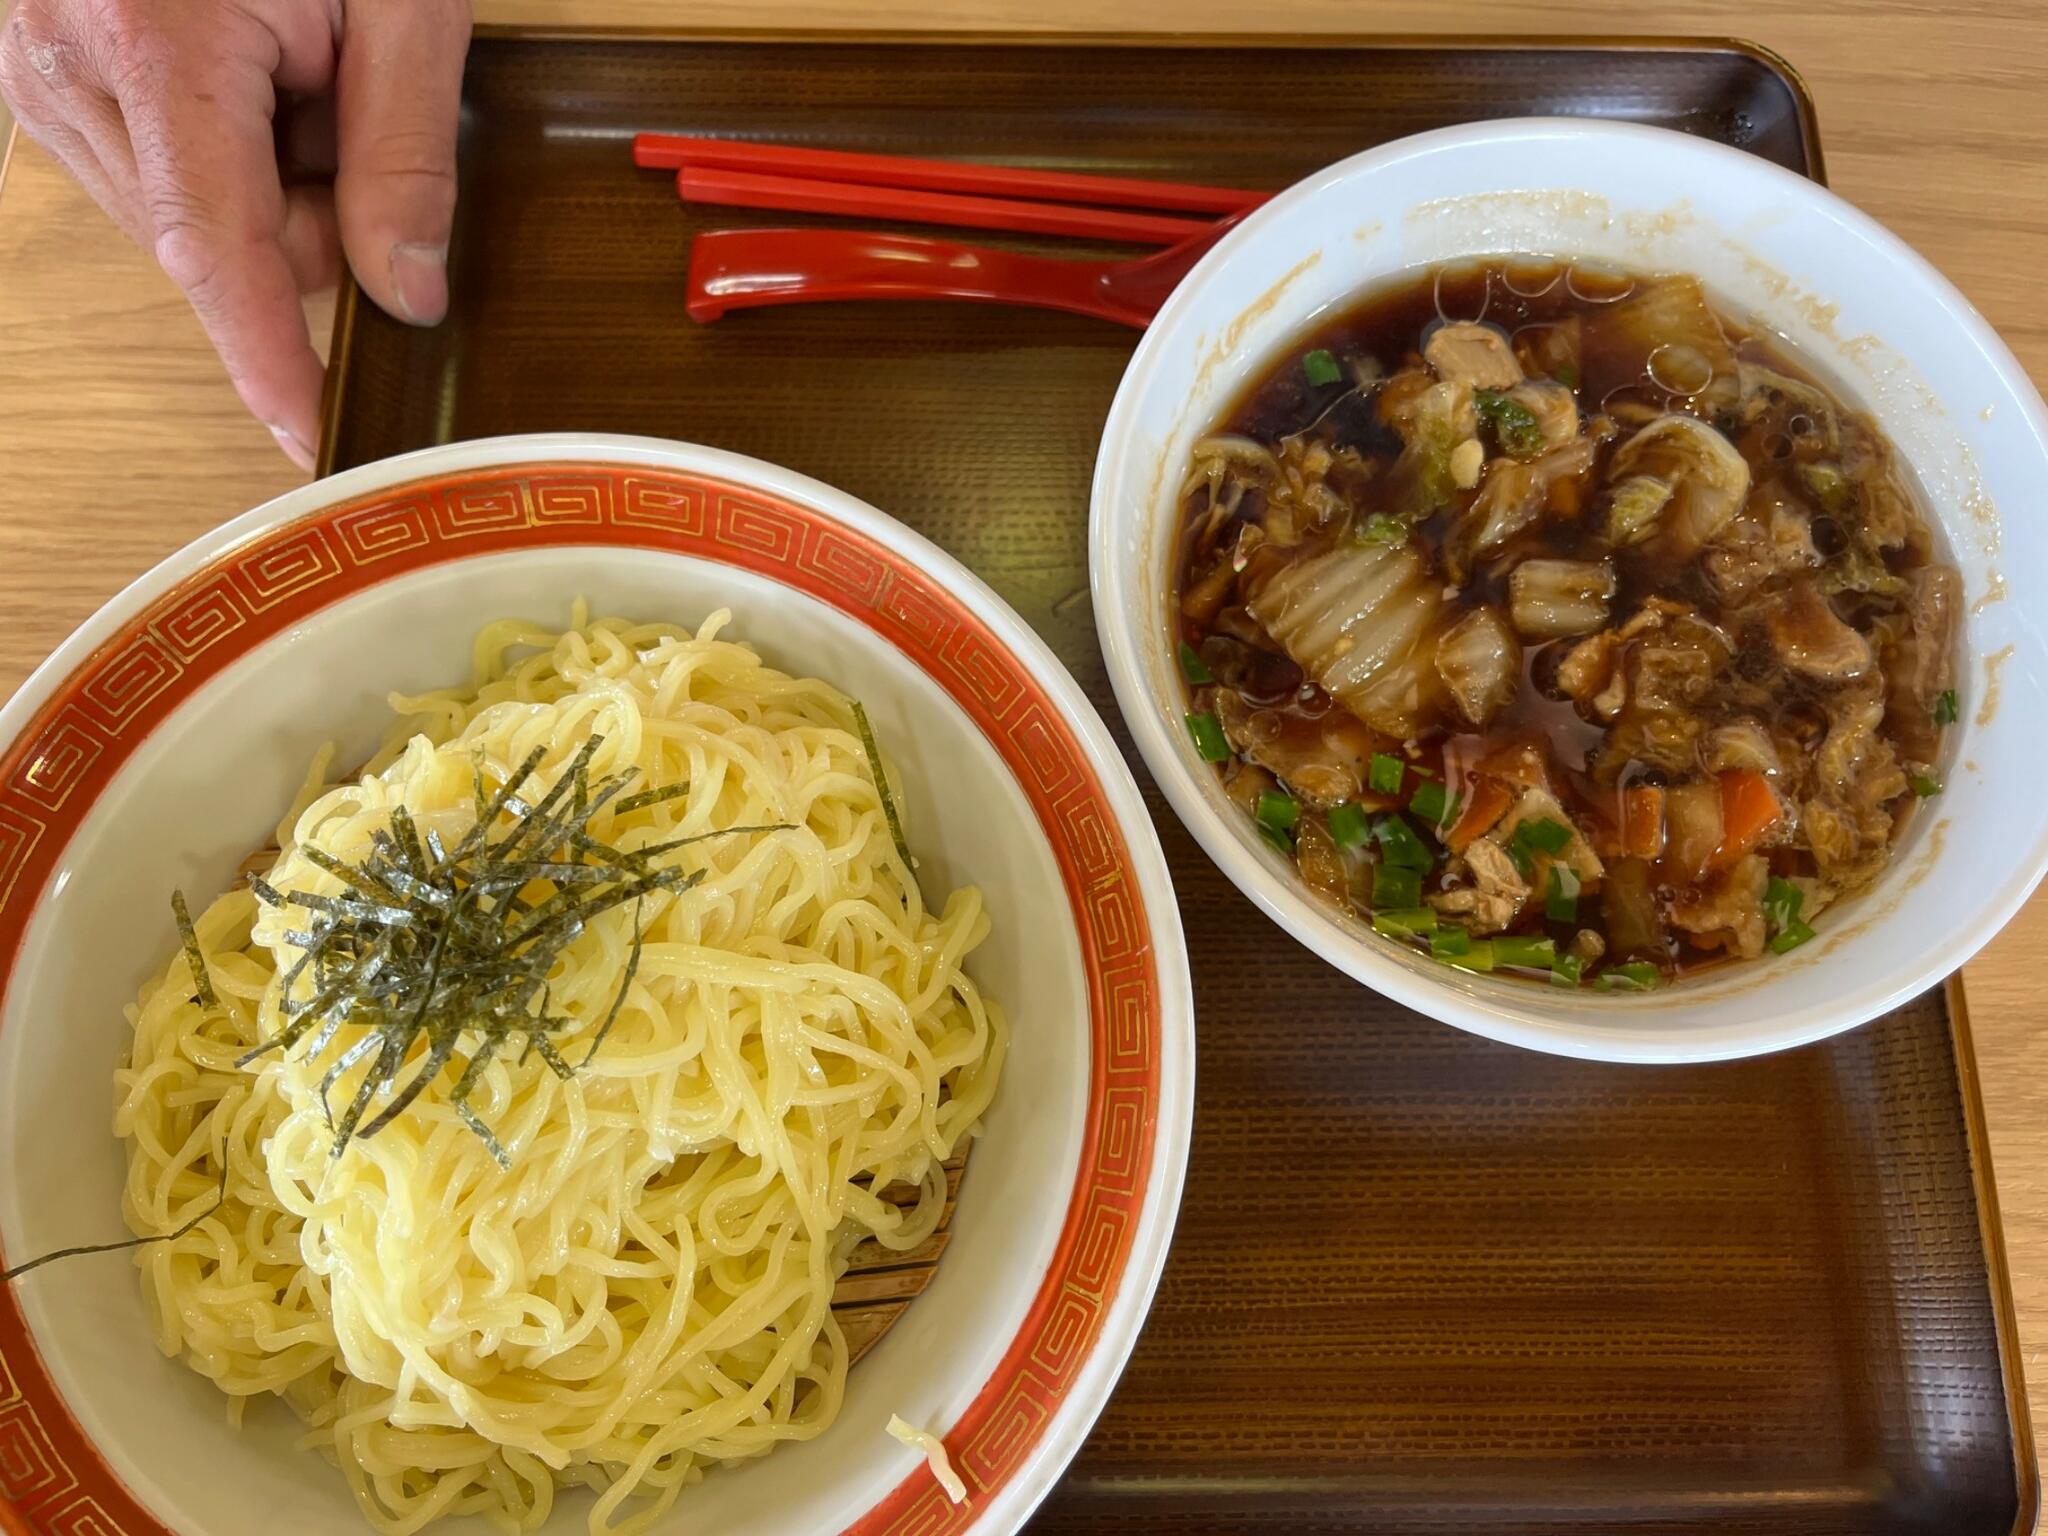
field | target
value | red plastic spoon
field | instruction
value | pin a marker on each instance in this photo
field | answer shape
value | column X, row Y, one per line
column 750, row 268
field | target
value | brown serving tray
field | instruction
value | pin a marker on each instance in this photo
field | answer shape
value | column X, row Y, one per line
column 1422, row 1282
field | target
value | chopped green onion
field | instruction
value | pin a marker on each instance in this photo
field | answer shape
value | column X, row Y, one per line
column 1405, row 922
column 1540, row 834
column 1946, row 707
column 1399, row 844
column 1320, row 367
column 1561, row 901
column 1478, row 955
column 1796, row 933
column 1568, row 376
column 1925, row 785
column 1450, row 940
column 1349, row 827
column 1566, row 970
column 1433, row 803
column 1385, row 774
column 1393, row 886
column 1535, row 954
column 1382, row 528
column 1278, row 811
column 1278, row 839
column 1514, row 424
column 1638, row 976
column 1782, row 901
column 1210, row 743
column 1192, row 667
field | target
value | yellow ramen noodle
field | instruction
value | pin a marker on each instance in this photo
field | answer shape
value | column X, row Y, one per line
column 645, row 1291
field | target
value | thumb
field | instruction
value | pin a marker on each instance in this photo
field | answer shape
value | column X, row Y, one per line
column 398, row 94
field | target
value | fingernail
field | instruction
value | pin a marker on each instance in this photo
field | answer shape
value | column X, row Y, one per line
column 419, row 281
column 292, row 444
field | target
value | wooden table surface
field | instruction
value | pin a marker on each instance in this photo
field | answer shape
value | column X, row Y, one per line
column 120, row 441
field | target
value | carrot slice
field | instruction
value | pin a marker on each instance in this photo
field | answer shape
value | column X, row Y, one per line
column 1749, row 809
column 1519, row 762
column 1487, row 801
column 1642, row 822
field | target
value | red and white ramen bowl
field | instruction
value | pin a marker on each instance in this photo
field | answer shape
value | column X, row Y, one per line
column 162, row 741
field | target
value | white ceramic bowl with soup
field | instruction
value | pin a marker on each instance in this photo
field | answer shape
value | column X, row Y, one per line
column 161, row 743
column 1784, row 258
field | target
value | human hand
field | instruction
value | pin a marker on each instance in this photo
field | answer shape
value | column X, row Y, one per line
column 251, row 144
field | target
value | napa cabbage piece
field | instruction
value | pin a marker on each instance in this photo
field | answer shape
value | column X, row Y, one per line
column 1705, row 476
column 1362, row 621
column 1617, row 341
column 1480, row 661
column 1431, row 418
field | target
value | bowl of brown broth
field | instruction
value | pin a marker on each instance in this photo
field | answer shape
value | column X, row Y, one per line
column 1578, row 613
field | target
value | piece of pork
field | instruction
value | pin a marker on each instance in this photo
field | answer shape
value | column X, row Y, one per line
column 1854, row 777
column 1493, row 899
column 1324, row 761
column 1919, row 663
column 1729, row 908
column 1480, row 660
column 1772, row 539
column 1468, row 352
column 1810, row 639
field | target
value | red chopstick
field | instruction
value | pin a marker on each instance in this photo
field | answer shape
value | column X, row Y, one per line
column 745, row 189
column 668, row 151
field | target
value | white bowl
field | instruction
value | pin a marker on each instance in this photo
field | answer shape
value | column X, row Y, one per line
column 1891, row 334
column 160, row 743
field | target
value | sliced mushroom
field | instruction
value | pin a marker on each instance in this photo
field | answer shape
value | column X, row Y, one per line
column 1468, row 352
column 1707, row 476
column 1480, row 661
column 1549, row 598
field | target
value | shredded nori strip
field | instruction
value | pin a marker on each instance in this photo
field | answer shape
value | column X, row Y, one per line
column 435, row 943
column 647, row 797
column 867, row 743
column 220, row 1195
column 202, row 984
